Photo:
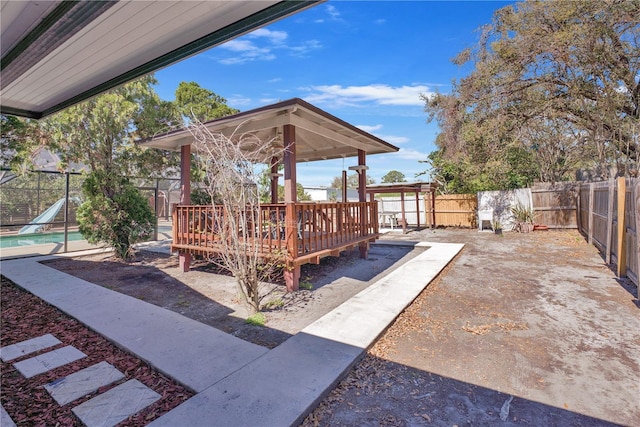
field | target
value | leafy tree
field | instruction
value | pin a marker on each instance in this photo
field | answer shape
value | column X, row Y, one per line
column 393, row 176
column 114, row 213
column 99, row 133
column 193, row 101
column 19, row 140
column 352, row 181
column 555, row 80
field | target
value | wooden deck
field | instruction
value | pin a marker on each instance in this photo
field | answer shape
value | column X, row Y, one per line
column 304, row 232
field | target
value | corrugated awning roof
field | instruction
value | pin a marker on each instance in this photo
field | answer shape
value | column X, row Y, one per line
column 58, row 53
column 399, row 187
column 319, row 135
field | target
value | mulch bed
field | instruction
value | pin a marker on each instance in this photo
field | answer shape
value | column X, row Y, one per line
column 25, row 316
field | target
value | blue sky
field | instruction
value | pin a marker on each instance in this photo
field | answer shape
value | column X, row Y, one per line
column 366, row 62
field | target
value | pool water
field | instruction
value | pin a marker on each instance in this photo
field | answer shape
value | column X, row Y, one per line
column 37, row 239
column 17, row 240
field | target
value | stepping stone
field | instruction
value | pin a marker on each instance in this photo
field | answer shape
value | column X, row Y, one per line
column 23, row 348
column 5, row 419
column 48, row 361
column 83, row 382
column 116, row 405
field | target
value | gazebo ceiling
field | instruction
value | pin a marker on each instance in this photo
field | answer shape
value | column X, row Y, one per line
column 318, row 134
column 58, row 53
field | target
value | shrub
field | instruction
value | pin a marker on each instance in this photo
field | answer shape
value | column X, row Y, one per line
column 114, row 213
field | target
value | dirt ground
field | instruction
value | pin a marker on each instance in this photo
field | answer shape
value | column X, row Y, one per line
column 525, row 329
column 210, row 296
column 520, row 329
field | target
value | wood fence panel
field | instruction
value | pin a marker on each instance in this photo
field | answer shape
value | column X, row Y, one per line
column 631, row 234
column 555, row 204
column 455, row 210
column 607, row 213
column 599, row 216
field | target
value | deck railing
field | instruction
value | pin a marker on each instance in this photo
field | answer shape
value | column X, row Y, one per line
column 300, row 228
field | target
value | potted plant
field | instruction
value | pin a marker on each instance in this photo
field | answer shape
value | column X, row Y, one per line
column 523, row 218
column 497, row 227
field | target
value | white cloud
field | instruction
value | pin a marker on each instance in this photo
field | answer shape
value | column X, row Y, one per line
column 276, row 37
column 238, row 101
column 410, row 154
column 261, row 45
column 333, row 12
column 369, row 129
column 378, row 93
column 393, row 139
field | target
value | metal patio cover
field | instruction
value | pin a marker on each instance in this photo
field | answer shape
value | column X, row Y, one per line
column 58, row 53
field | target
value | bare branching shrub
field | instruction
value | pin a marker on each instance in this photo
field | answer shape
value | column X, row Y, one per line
column 232, row 166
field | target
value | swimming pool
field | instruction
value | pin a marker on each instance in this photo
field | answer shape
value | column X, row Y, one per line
column 17, row 240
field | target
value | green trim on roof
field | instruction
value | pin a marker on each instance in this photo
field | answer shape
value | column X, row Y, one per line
column 40, row 29
column 258, row 19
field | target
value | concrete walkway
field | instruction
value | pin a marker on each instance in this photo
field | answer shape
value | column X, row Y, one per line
column 238, row 383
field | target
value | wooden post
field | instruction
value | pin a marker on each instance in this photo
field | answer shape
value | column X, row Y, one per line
column 344, row 186
column 622, row 229
column 610, row 201
column 362, row 197
column 404, row 218
column 636, row 207
column 418, row 207
column 184, row 258
column 433, row 207
column 274, row 180
column 292, row 271
column 579, row 209
column 590, row 231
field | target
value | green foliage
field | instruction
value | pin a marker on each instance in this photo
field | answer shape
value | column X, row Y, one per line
column 306, row 285
column 19, row 140
column 114, row 213
column 352, row 181
column 554, row 88
column 274, row 304
column 201, row 197
column 257, row 319
column 393, row 176
column 522, row 214
column 195, row 102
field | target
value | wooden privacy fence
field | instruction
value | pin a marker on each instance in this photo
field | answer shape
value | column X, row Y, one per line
column 453, row 210
column 555, row 205
column 608, row 217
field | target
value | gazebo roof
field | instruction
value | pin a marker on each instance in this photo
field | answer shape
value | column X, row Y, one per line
column 319, row 135
column 57, row 53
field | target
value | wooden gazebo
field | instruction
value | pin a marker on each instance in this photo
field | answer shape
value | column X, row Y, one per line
column 306, row 231
column 416, row 188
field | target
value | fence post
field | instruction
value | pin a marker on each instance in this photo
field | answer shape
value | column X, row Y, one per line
column 622, row 229
column 591, row 192
column 636, row 207
column 611, row 200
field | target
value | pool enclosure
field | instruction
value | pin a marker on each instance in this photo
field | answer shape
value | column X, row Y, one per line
column 305, row 231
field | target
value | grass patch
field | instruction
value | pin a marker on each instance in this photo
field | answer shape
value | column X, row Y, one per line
column 273, row 304
column 307, row 285
column 256, row 319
